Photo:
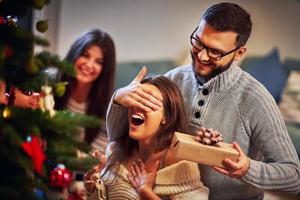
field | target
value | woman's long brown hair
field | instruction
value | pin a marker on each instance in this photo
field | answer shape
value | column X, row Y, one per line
column 176, row 120
column 101, row 91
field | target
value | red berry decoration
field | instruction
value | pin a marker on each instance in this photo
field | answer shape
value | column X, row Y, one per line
column 8, row 52
column 60, row 177
column 2, row 20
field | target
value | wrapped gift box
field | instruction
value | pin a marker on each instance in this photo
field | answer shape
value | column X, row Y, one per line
column 185, row 147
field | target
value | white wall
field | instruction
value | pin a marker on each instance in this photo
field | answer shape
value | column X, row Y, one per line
column 160, row 29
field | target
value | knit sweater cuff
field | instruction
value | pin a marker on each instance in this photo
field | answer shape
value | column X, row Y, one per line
column 116, row 115
column 250, row 176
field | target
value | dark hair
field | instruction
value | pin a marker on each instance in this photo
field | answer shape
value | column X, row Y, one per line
column 102, row 88
column 176, row 120
column 229, row 17
column 175, row 114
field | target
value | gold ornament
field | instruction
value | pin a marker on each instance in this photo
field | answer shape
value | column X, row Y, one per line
column 38, row 4
column 6, row 113
column 42, row 26
column 60, row 89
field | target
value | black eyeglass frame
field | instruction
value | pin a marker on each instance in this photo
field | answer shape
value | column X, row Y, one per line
column 208, row 49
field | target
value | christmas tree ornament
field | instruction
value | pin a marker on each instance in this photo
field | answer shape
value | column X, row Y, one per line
column 60, row 88
column 8, row 52
column 33, row 147
column 42, row 26
column 6, row 113
column 38, row 4
column 60, row 177
column 46, row 102
column 12, row 21
column 2, row 20
column 39, row 194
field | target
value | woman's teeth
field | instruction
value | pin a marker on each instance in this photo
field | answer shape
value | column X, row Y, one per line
column 85, row 72
column 137, row 120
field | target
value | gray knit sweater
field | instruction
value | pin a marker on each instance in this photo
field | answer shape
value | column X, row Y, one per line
column 238, row 106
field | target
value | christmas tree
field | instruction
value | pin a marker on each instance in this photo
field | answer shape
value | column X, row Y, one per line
column 34, row 141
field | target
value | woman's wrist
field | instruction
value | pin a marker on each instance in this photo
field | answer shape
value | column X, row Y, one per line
column 146, row 193
column 89, row 180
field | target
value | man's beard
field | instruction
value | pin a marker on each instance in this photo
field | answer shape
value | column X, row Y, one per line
column 217, row 69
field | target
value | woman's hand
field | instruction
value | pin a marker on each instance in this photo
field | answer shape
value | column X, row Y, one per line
column 143, row 181
column 90, row 177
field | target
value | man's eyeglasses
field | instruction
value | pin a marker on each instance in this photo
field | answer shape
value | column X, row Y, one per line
column 212, row 53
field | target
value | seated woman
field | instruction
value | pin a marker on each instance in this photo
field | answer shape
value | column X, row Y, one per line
column 140, row 165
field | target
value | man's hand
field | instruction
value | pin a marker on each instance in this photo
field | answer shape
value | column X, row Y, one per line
column 138, row 95
column 235, row 169
column 3, row 99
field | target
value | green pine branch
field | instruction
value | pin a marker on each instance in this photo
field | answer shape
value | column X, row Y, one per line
column 21, row 67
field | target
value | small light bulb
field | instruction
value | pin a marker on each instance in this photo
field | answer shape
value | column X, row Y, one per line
column 6, row 112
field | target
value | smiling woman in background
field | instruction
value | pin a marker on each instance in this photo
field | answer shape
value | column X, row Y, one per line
column 94, row 59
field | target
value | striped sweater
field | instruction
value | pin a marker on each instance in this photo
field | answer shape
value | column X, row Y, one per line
column 100, row 142
column 238, row 106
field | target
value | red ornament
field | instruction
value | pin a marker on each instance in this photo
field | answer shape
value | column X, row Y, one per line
column 33, row 147
column 60, row 177
column 2, row 20
column 8, row 52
